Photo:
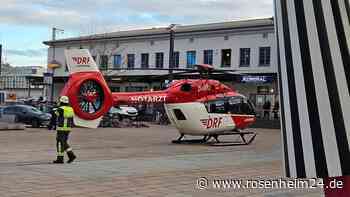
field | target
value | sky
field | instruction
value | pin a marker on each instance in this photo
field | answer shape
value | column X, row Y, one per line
column 25, row 24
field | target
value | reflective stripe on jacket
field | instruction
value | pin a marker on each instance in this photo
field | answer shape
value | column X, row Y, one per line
column 65, row 116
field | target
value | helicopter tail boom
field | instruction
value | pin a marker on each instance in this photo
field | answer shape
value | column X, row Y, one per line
column 146, row 97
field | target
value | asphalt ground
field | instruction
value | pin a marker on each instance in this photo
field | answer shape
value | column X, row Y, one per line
column 139, row 162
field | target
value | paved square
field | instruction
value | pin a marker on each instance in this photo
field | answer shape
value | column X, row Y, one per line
column 134, row 162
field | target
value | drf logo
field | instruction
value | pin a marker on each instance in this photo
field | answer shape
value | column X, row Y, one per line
column 212, row 123
column 81, row 60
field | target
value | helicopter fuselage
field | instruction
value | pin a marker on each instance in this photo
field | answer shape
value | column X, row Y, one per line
column 194, row 106
column 197, row 107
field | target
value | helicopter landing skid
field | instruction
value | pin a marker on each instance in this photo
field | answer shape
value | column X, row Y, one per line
column 180, row 140
column 216, row 142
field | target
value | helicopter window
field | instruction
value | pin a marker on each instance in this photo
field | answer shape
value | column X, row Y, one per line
column 217, row 106
column 231, row 105
column 186, row 87
column 179, row 115
column 239, row 105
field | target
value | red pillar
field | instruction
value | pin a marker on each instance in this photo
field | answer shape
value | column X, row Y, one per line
column 337, row 192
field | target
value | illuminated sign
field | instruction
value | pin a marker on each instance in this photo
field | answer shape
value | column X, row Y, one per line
column 256, row 79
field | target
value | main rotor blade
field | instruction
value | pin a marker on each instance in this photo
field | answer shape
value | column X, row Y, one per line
column 160, row 69
column 176, row 74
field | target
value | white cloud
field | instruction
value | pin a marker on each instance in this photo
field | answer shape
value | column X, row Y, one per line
column 96, row 16
column 26, row 52
column 78, row 14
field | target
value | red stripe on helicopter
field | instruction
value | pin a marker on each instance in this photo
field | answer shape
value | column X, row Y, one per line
column 204, row 122
column 243, row 121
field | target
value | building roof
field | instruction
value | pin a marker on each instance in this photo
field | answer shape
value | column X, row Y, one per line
column 179, row 29
column 22, row 71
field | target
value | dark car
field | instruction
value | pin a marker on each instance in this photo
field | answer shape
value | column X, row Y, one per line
column 28, row 115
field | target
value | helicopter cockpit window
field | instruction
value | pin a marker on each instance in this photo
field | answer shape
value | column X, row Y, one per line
column 186, row 87
column 230, row 105
column 217, row 106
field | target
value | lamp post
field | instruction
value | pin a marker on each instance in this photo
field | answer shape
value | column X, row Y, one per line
column 54, row 64
column 171, row 50
column 0, row 57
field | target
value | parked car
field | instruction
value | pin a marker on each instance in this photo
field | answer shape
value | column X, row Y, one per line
column 123, row 112
column 28, row 115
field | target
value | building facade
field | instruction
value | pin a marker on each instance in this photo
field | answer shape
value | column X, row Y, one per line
column 16, row 81
column 247, row 46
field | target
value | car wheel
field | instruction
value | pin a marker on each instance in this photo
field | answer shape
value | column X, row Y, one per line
column 35, row 123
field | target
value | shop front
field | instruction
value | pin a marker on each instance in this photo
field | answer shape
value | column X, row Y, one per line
column 262, row 91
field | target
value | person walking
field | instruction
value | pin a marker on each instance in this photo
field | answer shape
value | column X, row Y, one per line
column 53, row 119
column 276, row 109
column 267, row 108
column 65, row 115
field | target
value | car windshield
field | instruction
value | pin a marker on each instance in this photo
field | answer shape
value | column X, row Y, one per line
column 114, row 109
column 35, row 110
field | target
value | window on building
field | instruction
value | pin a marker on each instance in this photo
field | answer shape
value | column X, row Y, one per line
column 115, row 89
column 131, row 61
column 117, row 61
column 191, row 59
column 176, row 59
column 208, row 57
column 244, row 57
column 134, row 89
column 264, row 56
column 175, row 63
column 103, row 62
column 144, row 60
column 226, row 57
column 159, row 60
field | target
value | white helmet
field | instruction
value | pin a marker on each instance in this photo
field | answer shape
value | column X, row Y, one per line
column 64, row 99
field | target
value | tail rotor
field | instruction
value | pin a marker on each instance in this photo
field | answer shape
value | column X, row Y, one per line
column 87, row 90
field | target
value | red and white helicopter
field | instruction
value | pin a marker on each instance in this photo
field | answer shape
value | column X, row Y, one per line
column 196, row 107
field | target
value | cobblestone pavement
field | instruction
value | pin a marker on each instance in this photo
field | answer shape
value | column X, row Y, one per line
column 135, row 162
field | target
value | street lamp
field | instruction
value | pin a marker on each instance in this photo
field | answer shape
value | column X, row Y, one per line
column 54, row 64
column 171, row 29
column 0, row 57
